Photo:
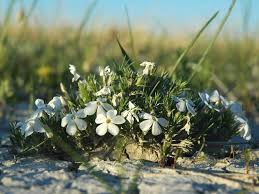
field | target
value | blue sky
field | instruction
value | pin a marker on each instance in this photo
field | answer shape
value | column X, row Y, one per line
column 170, row 15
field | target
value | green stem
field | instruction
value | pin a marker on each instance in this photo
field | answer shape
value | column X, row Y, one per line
column 179, row 60
column 7, row 20
column 130, row 33
column 33, row 147
column 206, row 52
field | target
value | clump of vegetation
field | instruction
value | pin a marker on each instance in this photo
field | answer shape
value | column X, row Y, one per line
column 101, row 114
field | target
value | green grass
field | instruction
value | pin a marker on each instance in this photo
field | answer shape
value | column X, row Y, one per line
column 39, row 64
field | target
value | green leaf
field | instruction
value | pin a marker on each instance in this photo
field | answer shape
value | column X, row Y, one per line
column 129, row 61
column 83, row 93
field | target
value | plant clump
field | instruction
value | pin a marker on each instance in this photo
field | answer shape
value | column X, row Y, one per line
column 102, row 114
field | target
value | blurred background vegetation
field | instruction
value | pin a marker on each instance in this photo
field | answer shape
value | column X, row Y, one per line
column 34, row 58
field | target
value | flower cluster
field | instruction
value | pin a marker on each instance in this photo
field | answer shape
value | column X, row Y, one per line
column 52, row 109
column 141, row 106
column 218, row 103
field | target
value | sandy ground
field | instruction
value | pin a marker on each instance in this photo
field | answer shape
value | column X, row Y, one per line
column 47, row 175
column 40, row 174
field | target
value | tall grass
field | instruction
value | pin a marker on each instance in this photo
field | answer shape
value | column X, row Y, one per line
column 40, row 62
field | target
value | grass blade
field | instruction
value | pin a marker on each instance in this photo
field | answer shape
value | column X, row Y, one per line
column 7, row 20
column 32, row 7
column 86, row 18
column 127, row 58
column 130, row 33
column 193, row 41
column 206, row 52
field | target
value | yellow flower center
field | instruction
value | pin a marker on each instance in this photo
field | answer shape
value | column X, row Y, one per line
column 108, row 120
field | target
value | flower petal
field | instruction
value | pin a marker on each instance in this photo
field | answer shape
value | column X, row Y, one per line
column 20, row 124
column 107, row 106
column 163, row 122
column 244, row 129
column 131, row 105
column 113, row 129
column 81, row 124
column 176, row 99
column 156, row 129
column 37, row 114
column 71, row 128
column 72, row 69
column 100, row 110
column 181, row 106
column 90, row 108
column 247, row 132
column 125, row 113
column 101, row 130
column 55, row 103
column 204, row 97
column 214, row 96
column 104, row 91
column 224, row 102
column 135, row 116
column 99, row 99
column 37, row 126
column 28, row 132
column 76, row 77
column 39, row 103
column 118, row 120
column 190, row 107
column 111, row 113
column 144, row 115
column 27, row 129
column 145, row 125
column 49, row 110
column 130, row 119
column 65, row 120
column 100, row 119
column 81, row 113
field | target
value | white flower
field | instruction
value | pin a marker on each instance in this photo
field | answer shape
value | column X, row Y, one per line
column 243, row 129
column 57, row 103
column 214, row 100
column 148, row 67
column 239, row 116
column 72, row 70
column 41, row 108
column 152, row 122
column 31, row 125
column 116, row 98
column 74, row 121
column 105, row 72
column 183, row 104
column 99, row 107
column 131, row 114
column 109, row 122
column 104, row 91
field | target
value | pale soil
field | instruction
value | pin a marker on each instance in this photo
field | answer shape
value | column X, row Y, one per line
column 40, row 174
column 44, row 175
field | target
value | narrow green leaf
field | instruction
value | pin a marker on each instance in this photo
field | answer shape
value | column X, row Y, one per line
column 7, row 18
column 86, row 19
column 206, row 52
column 125, row 55
column 130, row 34
column 186, row 51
